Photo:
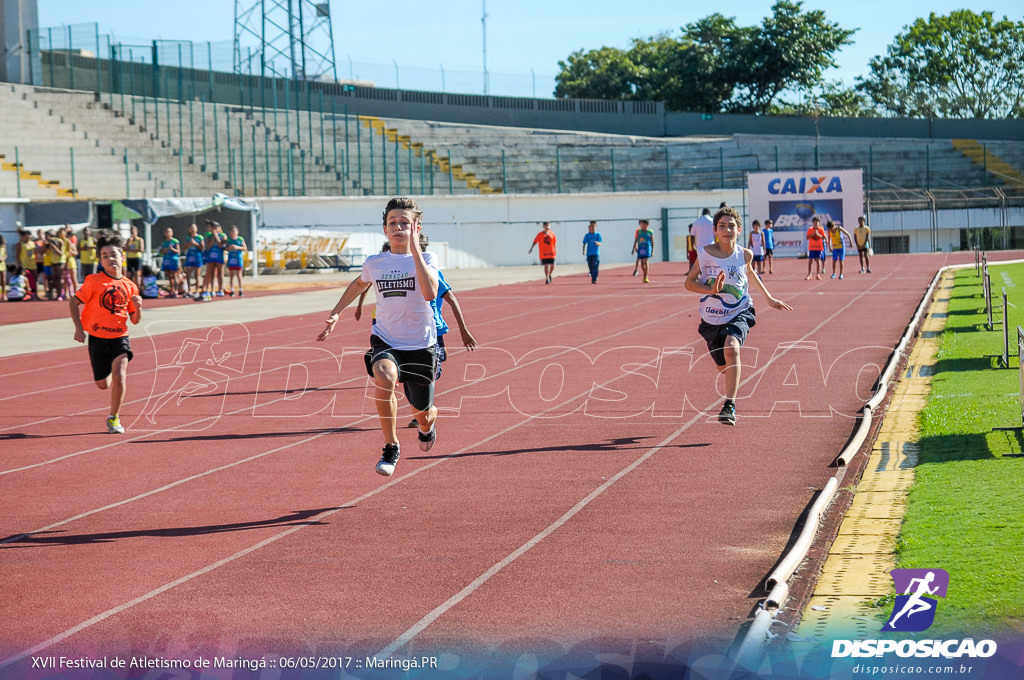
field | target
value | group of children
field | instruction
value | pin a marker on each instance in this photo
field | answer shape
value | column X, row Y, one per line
column 832, row 237
column 643, row 248
column 195, row 268
column 408, row 328
column 46, row 267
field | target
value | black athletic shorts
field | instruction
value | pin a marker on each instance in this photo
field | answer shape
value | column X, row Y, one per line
column 103, row 351
column 416, row 369
column 715, row 335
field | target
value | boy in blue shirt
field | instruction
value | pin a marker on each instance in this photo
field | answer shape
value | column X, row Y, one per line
column 592, row 249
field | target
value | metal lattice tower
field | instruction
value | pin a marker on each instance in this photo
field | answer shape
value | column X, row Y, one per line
column 291, row 38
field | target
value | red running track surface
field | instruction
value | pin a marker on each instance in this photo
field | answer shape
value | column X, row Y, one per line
column 580, row 492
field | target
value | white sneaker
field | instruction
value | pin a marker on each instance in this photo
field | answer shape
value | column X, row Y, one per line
column 388, row 460
column 114, row 425
column 427, row 439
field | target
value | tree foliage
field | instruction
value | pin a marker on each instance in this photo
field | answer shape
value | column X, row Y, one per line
column 715, row 65
column 963, row 65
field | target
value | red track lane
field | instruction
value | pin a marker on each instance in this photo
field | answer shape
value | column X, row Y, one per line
column 249, row 519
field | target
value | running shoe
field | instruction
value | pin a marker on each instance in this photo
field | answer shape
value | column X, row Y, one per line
column 114, row 425
column 413, row 423
column 646, row 280
column 727, row 416
column 840, row 277
column 427, row 439
column 833, row 276
column 388, row 460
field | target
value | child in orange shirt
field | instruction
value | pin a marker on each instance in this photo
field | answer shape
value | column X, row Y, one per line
column 100, row 310
column 547, row 241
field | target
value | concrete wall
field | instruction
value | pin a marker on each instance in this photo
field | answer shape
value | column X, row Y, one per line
column 483, row 231
column 487, row 231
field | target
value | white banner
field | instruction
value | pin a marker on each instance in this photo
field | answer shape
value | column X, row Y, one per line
column 792, row 199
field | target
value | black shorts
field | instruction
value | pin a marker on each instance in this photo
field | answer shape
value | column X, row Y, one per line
column 416, row 369
column 769, row 252
column 103, row 351
column 715, row 335
column 547, row 260
column 131, row 264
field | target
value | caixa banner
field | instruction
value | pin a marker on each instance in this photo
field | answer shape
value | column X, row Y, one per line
column 791, row 200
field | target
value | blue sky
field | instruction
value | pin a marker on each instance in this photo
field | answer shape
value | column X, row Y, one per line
column 524, row 37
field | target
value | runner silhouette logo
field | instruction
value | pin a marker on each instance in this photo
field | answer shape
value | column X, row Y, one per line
column 914, row 610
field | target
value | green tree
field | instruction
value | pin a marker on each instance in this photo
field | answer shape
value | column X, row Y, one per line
column 606, row 73
column 963, row 65
column 714, row 65
column 790, row 51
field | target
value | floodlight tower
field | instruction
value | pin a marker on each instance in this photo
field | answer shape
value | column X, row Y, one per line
column 285, row 37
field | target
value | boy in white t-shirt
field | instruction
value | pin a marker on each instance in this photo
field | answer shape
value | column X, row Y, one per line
column 403, row 340
column 721, row 275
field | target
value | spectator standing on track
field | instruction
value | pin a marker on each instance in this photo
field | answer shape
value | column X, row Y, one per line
column 71, row 264
column 835, row 237
column 42, row 275
column 547, row 241
column 815, row 248
column 215, row 242
column 703, row 230
column 691, row 245
column 170, row 249
column 87, row 253
column 57, row 253
column 100, row 310
column 3, row 268
column 756, row 245
column 643, row 246
column 721, row 276
column 236, row 249
column 133, row 255
column 444, row 292
column 25, row 257
column 769, row 244
column 403, row 340
column 592, row 249
column 194, row 244
column 862, row 237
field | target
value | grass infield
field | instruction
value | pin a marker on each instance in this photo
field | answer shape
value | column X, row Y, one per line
column 965, row 511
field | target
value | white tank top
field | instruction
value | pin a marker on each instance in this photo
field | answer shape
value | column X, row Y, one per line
column 720, row 308
column 757, row 242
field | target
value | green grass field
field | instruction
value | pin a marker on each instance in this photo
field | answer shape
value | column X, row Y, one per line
column 965, row 511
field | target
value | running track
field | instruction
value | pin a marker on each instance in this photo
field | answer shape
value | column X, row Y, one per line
column 579, row 500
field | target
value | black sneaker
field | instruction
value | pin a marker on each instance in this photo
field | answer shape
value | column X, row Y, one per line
column 427, row 439
column 386, row 465
column 413, row 423
column 727, row 416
